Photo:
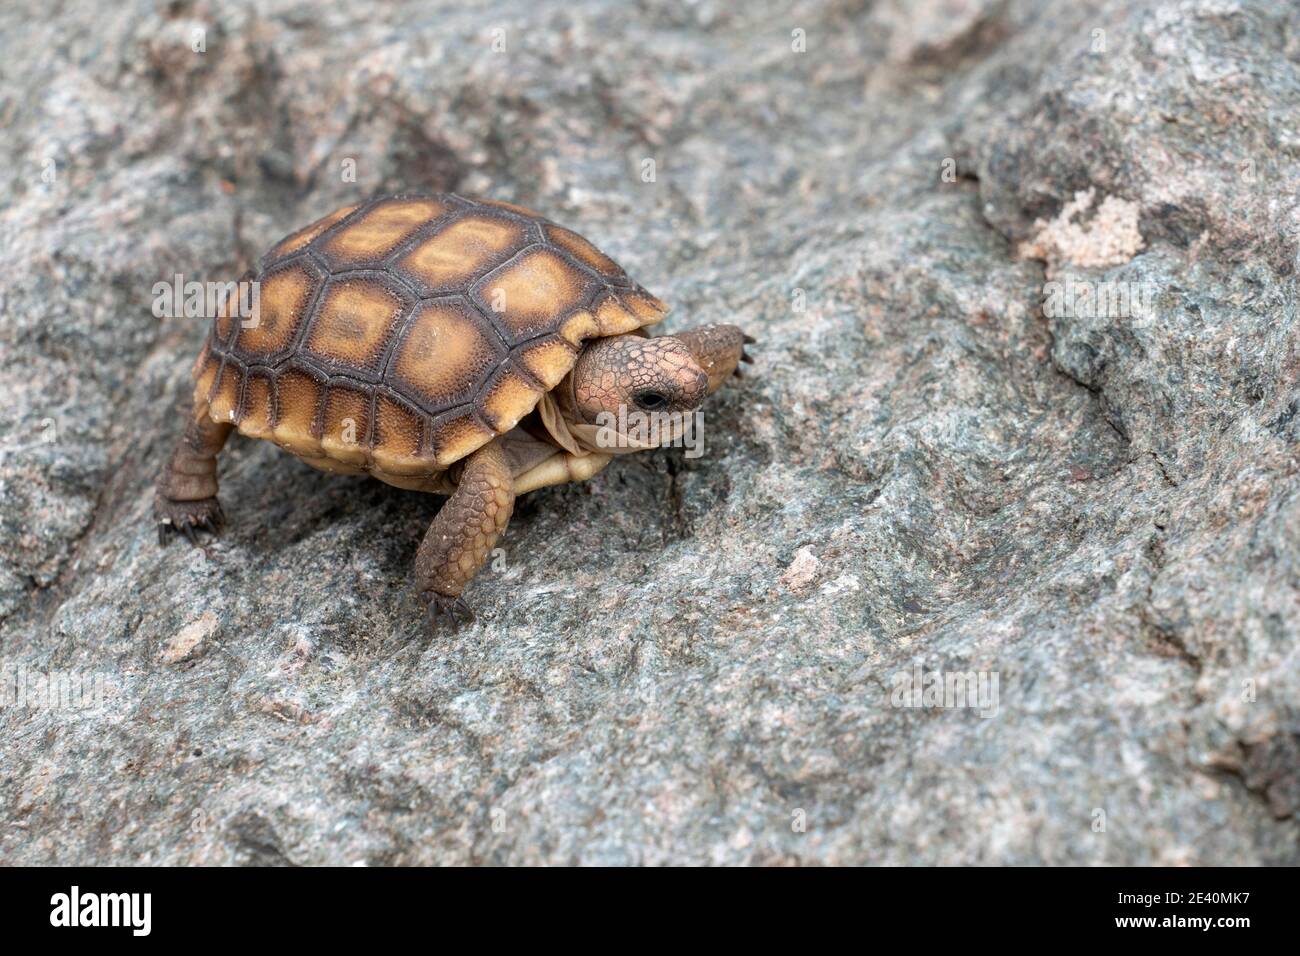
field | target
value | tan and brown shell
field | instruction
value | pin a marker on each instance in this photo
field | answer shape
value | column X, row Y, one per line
column 398, row 336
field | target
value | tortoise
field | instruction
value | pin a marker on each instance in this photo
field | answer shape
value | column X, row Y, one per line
column 464, row 347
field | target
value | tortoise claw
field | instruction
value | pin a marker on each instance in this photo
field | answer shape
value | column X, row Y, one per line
column 744, row 357
column 187, row 518
column 439, row 606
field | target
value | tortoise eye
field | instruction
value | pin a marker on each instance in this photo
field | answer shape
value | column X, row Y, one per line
column 651, row 401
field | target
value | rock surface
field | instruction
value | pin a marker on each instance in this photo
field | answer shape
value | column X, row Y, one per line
column 934, row 466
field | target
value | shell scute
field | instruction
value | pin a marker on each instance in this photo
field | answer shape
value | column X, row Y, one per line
column 298, row 397
column 357, row 319
column 292, row 243
column 227, row 393
column 528, row 293
column 285, row 296
column 588, row 255
column 345, row 423
column 447, row 352
column 399, row 438
column 614, row 318
column 457, row 434
column 205, row 374
column 451, row 259
column 547, row 360
column 256, row 417
column 508, row 397
column 373, row 234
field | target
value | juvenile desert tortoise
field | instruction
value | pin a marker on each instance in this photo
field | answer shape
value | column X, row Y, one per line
column 444, row 344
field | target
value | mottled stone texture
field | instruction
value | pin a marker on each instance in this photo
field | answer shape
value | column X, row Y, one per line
column 684, row 659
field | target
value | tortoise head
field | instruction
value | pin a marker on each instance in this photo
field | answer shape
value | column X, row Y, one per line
column 665, row 374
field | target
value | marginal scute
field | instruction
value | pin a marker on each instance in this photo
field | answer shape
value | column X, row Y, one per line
column 647, row 309
column 398, row 434
column 508, row 398
column 586, row 253
column 613, row 318
column 579, row 327
column 205, row 376
column 256, row 419
column 345, row 426
column 298, row 397
column 547, row 360
column 224, row 405
column 456, row 435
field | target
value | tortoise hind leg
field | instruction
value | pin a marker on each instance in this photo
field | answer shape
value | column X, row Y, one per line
column 186, row 499
column 465, row 531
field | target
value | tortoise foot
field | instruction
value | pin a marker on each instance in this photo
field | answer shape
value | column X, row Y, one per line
column 744, row 355
column 187, row 518
column 442, row 607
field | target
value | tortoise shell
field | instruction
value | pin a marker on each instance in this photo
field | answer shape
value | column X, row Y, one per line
column 398, row 336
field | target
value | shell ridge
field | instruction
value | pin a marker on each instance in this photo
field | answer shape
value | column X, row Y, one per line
column 466, row 205
column 397, row 338
column 370, row 272
column 273, row 382
column 540, row 336
column 490, row 322
column 240, row 405
column 426, row 438
column 519, row 369
column 371, row 423
column 482, row 419
column 317, row 429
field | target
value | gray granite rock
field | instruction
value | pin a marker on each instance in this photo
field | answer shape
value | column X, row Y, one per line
column 940, row 463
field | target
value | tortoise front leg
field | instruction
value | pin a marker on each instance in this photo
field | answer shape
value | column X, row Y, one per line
column 186, row 498
column 465, row 531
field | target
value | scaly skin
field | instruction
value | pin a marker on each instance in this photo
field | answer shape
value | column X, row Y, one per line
column 465, row 531
column 611, row 371
column 681, row 369
column 186, row 499
column 718, row 350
